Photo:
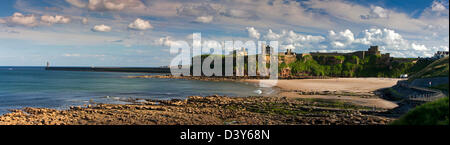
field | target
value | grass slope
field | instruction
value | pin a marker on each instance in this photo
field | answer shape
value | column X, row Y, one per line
column 438, row 68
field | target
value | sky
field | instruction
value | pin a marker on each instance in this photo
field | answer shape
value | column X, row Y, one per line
column 139, row 32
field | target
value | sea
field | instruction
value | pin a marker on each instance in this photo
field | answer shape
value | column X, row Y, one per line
column 36, row 87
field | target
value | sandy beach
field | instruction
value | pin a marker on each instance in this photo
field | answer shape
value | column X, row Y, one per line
column 356, row 85
column 359, row 91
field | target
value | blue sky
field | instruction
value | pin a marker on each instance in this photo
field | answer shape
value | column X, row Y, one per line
column 139, row 32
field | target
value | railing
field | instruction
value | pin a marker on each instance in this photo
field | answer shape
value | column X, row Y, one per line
column 428, row 96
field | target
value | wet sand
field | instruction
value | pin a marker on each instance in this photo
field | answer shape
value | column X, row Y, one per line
column 357, row 100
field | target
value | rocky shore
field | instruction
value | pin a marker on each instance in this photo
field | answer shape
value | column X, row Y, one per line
column 188, row 77
column 195, row 110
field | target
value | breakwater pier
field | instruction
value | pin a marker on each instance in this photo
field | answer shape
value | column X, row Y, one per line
column 112, row 69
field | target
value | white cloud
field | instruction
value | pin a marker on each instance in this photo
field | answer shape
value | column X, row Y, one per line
column 253, row 33
column 101, row 28
column 435, row 13
column 199, row 9
column 20, row 19
column 77, row 3
column 375, row 16
column 32, row 20
column 383, row 37
column 418, row 47
column 167, row 41
column 437, row 6
column 337, row 44
column 140, row 24
column 376, row 12
column 388, row 40
column 341, row 39
column 271, row 35
column 58, row 38
column 54, row 19
column 204, row 19
column 436, row 20
column 260, row 13
column 346, row 41
column 236, row 13
column 308, row 17
column 290, row 39
column 290, row 46
column 294, row 39
column 164, row 41
column 112, row 6
column 107, row 5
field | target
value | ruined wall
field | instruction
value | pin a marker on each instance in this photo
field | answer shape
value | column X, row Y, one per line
column 360, row 54
column 289, row 59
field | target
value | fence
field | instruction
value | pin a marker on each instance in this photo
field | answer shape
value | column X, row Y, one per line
column 428, row 95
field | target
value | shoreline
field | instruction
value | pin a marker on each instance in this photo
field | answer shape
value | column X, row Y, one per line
column 196, row 110
column 294, row 105
column 359, row 91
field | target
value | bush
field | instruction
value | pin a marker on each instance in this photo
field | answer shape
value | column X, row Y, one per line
column 351, row 66
column 432, row 113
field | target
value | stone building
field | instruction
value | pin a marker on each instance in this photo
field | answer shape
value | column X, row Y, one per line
column 373, row 50
column 266, row 51
column 287, row 57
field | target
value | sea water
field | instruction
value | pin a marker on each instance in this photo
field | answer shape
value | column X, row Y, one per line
column 35, row 87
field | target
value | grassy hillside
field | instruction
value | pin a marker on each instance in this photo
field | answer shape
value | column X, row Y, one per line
column 432, row 113
column 438, row 68
column 351, row 66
